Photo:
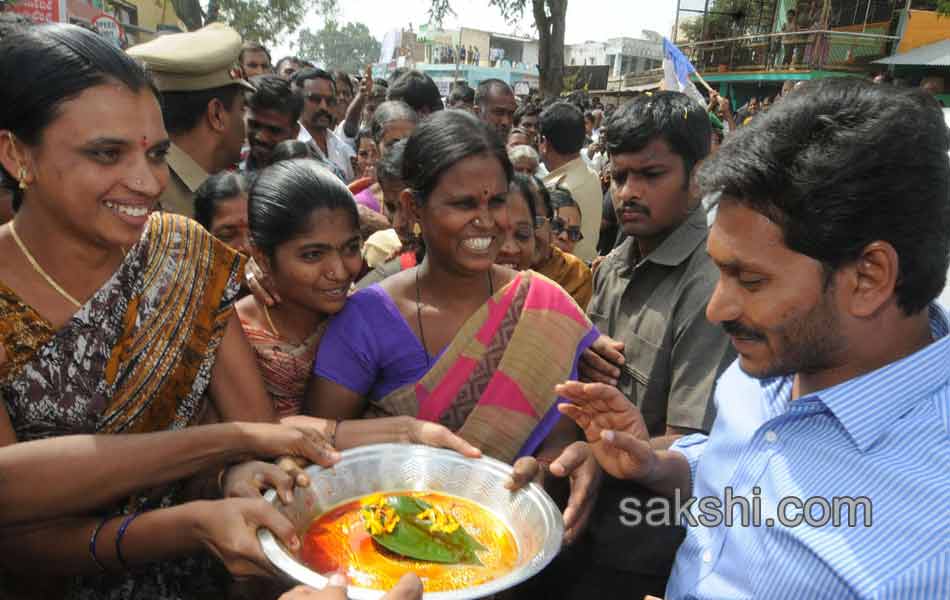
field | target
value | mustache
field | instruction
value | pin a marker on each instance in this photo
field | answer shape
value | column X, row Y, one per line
column 321, row 113
column 633, row 207
column 737, row 329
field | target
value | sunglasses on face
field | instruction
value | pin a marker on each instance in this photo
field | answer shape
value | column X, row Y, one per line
column 558, row 226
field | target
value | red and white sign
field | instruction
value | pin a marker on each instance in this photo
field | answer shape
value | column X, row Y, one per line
column 41, row 11
column 110, row 28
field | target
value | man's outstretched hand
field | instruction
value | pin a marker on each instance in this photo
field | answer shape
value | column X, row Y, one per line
column 614, row 428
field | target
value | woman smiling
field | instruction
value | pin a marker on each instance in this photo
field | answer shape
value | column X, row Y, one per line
column 458, row 340
column 528, row 244
column 306, row 237
column 518, row 250
column 115, row 319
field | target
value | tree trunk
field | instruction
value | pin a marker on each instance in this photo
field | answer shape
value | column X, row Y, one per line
column 189, row 11
column 550, row 45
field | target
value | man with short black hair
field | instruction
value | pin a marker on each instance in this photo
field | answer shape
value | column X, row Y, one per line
column 528, row 117
column 318, row 90
column 273, row 112
column 657, row 350
column 202, row 105
column 833, row 424
column 396, row 74
column 462, row 97
column 562, row 137
column 496, row 105
column 288, row 66
column 417, row 89
column 254, row 59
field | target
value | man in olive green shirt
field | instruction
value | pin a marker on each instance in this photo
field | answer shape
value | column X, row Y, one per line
column 202, row 89
column 657, row 347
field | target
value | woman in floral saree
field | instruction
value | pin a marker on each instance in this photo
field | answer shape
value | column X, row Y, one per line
column 117, row 321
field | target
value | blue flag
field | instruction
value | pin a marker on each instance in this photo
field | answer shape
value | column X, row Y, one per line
column 676, row 72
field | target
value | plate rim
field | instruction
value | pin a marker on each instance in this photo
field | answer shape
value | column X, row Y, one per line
column 552, row 516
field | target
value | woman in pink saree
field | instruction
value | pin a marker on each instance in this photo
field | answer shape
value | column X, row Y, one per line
column 458, row 340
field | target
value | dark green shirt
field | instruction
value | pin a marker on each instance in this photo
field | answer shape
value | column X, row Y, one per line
column 656, row 306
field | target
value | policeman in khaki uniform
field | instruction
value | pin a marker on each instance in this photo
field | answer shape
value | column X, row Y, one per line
column 202, row 89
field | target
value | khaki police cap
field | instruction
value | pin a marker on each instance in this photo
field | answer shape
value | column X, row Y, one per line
column 193, row 61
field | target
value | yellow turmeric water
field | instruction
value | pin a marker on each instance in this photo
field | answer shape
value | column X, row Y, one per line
column 338, row 540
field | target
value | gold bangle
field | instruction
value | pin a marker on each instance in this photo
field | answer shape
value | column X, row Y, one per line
column 221, row 475
column 336, row 427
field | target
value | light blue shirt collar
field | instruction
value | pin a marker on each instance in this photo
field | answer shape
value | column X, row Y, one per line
column 864, row 405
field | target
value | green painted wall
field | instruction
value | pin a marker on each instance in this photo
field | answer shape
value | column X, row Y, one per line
column 774, row 77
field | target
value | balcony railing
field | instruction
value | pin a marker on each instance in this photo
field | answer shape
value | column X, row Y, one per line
column 799, row 50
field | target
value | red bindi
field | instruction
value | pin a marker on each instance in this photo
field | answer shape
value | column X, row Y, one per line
column 144, row 142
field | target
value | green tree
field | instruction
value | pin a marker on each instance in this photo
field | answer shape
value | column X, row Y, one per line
column 261, row 20
column 549, row 18
column 349, row 48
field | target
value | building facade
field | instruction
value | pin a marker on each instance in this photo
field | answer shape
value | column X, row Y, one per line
column 625, row 56
column 139, row 20
column 472, row 55
column 756, row 55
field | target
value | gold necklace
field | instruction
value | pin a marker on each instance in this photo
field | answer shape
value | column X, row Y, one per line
column 36, row 267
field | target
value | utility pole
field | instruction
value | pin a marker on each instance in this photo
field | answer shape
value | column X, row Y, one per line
column 705, row 19
column 676, row 22
column 457, row 59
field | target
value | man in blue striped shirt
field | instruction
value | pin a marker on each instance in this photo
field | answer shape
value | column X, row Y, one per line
column 832, row 435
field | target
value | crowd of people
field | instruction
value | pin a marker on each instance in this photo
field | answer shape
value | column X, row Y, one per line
column 213, row 275
column 458, row 54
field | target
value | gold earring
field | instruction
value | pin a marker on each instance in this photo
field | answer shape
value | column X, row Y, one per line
column 21, row 176
column 416, row 229
column 21, row 171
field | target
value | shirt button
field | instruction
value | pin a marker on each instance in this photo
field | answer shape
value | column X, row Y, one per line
column 770, row 436
column 707, row 556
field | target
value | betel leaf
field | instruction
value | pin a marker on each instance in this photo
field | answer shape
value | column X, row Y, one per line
column 413, row 538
